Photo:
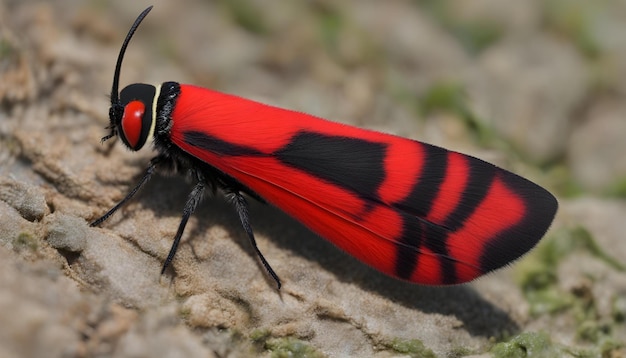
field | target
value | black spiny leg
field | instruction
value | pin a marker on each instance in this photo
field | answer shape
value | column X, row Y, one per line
column 241, row 205
column 192, row 202
column 146, row 177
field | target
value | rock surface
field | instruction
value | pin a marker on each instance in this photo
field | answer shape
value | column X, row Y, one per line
column 512, row 89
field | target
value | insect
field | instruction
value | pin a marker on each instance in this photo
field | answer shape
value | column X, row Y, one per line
column 412, row 210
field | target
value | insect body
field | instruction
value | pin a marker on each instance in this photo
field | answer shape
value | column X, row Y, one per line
column 409, row 209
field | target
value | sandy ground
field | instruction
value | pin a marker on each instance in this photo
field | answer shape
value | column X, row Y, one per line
column 534, row 86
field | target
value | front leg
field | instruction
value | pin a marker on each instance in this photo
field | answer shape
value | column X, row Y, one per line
column 151, row 169
column 241, row 206
column 192, row 202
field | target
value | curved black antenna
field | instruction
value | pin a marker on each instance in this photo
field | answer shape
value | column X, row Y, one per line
column 116, row 77
column 117, row 109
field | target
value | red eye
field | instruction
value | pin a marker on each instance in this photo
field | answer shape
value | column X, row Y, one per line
column 132, row 122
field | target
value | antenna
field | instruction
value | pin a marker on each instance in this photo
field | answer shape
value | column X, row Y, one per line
column 115, row 99
column 117, row 110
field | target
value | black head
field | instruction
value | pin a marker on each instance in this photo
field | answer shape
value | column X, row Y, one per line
column 132, row 111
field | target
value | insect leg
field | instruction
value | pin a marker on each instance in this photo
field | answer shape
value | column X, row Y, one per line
column 190, row 206
column 241, row 205
column 144, row 179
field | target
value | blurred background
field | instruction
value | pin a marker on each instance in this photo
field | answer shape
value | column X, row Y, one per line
column 535, row 86
column 540, row 80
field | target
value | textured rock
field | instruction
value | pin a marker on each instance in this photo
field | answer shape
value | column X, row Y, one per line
column 70, row 289
column 595, row 149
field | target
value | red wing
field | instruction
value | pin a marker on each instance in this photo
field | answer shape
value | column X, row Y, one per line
column 409, row 209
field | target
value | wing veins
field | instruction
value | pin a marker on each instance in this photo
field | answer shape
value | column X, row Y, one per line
column 344, row 218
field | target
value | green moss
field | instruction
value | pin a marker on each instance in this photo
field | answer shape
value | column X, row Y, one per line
column 25, row 241
column 451, row 97
column 548, row 254
column 564, row 182
column 618, row 308
column 184, row 312
column 411, row 347
column 605, row 349
column 460, row 352
column 447, row 96
column 548, row 301
column 618, row 188
column 528, row 344
column 610, row 347
column 246, row 15
column 260, row 335
column 289, row 347
column 537, row 273
column 539, row 345
column 575, row 19
column 331, row 23
column 582, row 238
column 474, row 35
column 6, row 48
column 539, row 283
column 592, row 331
column 336, row 31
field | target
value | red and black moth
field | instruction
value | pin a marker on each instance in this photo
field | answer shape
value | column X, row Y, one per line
column 412, row 210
